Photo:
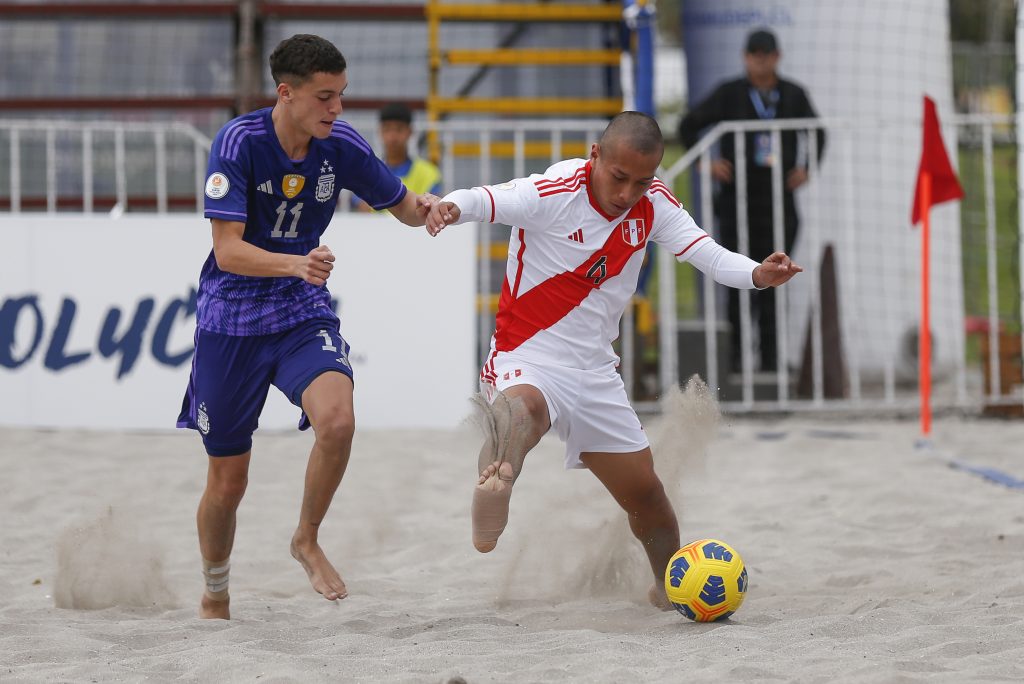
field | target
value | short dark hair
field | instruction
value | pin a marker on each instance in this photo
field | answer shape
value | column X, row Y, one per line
column 296, row 59
column 396, row 111
column 762, row 41
column 640, row 131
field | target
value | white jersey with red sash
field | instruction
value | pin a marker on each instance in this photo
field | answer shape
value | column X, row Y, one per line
column 571, row 267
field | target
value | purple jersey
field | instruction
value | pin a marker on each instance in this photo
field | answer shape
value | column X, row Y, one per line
column 285, row 205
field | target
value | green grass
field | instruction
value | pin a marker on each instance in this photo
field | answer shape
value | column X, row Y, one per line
column 974, row 240
column 973, row 234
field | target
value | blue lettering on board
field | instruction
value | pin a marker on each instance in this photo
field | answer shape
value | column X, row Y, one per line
column 131, row 341
column 187, row 308
column 9, row 313
column 56, row 358
column 115, row 337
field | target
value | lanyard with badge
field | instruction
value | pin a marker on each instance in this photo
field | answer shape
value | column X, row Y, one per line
column 765, row 111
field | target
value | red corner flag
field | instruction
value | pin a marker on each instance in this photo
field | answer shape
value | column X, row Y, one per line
column 936, row 183
column 935, row 163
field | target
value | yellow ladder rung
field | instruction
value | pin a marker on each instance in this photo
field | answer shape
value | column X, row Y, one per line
column 531, row 148
column 525, row 11
column 498, row 251
column 525, row 106
column 487, row 303
column 533, row 56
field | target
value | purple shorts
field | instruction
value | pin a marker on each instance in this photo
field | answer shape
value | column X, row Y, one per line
column 232, row 375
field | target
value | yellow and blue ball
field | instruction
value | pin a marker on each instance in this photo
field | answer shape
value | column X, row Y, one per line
column 706, row 580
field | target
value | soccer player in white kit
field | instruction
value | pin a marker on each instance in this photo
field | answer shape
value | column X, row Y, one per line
column 578, row 239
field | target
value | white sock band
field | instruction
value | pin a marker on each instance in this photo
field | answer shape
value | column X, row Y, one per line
column 216, row 576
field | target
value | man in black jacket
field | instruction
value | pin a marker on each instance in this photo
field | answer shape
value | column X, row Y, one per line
column 761, row 94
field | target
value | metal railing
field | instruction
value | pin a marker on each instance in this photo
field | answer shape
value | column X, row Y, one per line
column 100, row 144
column 984, row 130
column 169, row 159
column 101, row 166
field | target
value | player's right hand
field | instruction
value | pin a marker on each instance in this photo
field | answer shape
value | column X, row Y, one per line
column 442, row 214
column 721, row 169
column 315, row 268
column 775, row 270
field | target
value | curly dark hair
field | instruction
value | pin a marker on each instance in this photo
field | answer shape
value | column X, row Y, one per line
column 296, row 59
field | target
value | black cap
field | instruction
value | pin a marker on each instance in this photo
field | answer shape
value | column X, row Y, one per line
column 396, row 111
column 762, row 40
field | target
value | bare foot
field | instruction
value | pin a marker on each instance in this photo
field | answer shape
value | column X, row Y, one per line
column 656, row 595
column 322, row 575
column 211, row 609
column 490, row 505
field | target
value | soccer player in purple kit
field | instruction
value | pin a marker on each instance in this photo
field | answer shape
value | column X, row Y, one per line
column 263, row 310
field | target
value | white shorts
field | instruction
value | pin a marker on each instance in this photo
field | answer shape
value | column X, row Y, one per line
column 588, row 408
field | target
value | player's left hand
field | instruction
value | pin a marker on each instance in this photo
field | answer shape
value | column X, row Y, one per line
column 775, row 270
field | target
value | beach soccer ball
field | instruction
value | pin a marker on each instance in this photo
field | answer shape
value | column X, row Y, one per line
column 706, row 580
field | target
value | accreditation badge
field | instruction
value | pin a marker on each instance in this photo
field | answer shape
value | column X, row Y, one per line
column 763, row 153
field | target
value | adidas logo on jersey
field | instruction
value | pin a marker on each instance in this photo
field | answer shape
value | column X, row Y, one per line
column 577, row 236
column 266, row 187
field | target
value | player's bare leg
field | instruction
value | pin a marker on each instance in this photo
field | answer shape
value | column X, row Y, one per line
column 631, row 480
column 226, row 478
column 515, row 421
column 328, row 405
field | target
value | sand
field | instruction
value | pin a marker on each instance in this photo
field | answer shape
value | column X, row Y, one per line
column 869, row 560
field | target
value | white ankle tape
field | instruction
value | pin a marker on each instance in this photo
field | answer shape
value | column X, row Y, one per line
column 216, row 576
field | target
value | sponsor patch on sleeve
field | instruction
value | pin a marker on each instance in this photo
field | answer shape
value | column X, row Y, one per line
column 217, row 185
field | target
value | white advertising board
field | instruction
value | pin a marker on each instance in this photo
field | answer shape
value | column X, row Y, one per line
column 97, row 317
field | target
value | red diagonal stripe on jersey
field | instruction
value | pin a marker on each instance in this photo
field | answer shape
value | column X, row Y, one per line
column 520, row 318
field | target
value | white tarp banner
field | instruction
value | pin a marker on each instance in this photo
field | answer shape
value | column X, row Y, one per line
column 97, row 317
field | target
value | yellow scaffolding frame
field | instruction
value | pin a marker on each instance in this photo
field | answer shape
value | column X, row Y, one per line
column 557, row 106
column 524, row 11
column 438, row 11
column 506, row 149
column 534, row 56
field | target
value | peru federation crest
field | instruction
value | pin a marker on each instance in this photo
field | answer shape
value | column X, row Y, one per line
column 634, row 232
